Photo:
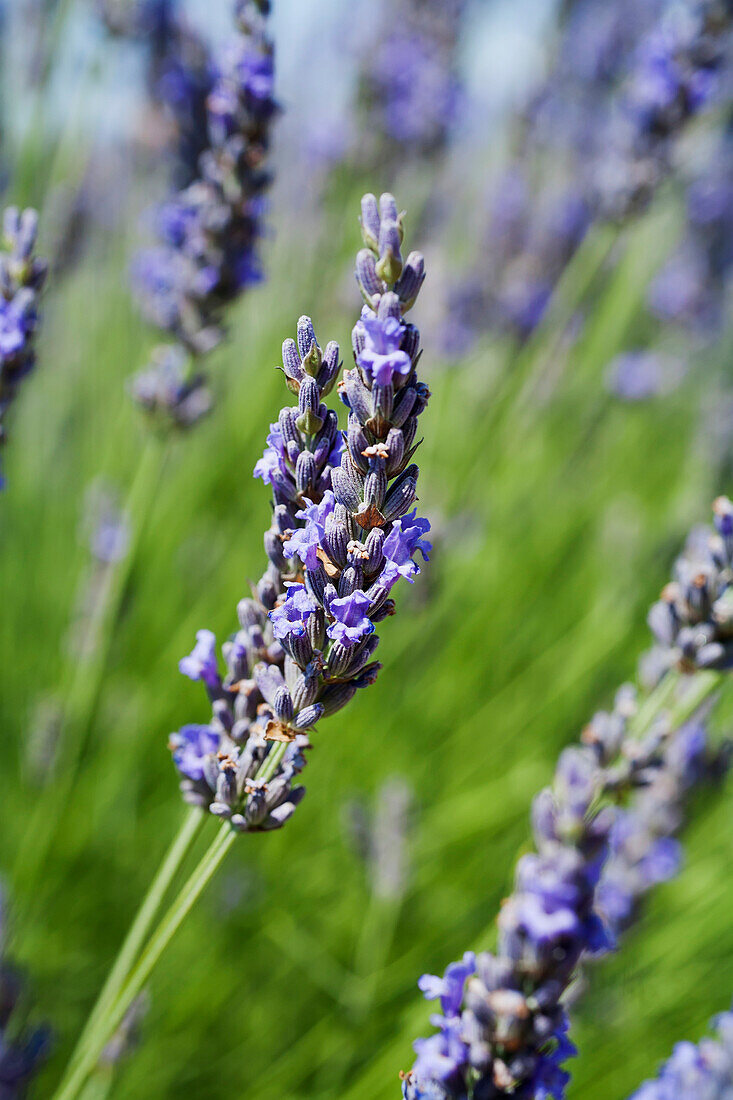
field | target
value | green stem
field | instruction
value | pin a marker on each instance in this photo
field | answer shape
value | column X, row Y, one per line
column 190, row 828
column 124, row 983
column 87, row 675
column 189, row 894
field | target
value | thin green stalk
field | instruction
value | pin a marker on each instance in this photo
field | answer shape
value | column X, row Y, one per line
column 185, row 837
column 87, row 675
column 99, row 1086
column 80, row 1068
column 121, row 989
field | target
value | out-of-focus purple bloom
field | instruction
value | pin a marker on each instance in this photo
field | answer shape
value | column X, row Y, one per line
column 209, row 232
column 190, row 747
column 627, row 79
column 351, row 622
column 22, row 276
column 696, row 1072
column 637, row 375
column 201, row 663
column 410, row 84
column 170, row 389
column 22, row 1049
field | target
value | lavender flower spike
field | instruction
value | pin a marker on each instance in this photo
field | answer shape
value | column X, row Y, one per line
column 503, row 1030
column 209, row 232
column 339, row 540
column 696, row 1072
column 21, row 279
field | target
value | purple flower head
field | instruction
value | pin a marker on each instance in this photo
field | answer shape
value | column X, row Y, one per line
column 191, row 745
column 201, row 663
column 382, row 358
column 305, row 541
column 273, row 461
column 450, row 987
column 352, row 624
column 290, row 618
column 405, row 538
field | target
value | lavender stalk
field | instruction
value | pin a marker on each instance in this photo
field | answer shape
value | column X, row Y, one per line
column 206, row 259
column 341, row 537
column 504, row 1026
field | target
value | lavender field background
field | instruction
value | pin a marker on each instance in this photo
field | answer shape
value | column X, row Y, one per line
column 559, row 497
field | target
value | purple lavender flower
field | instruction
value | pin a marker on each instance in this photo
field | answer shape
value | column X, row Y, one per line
column 21, row 280
column 209, row 232
column 696, row 1072
column 291, row 617
column 351, row 622
column 201, row 663
column 692, row 620
column 504, row 1032
column 190, row 747
column 341, row 523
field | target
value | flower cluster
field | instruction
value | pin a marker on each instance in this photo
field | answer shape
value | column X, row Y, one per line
column 690, row 290
column 503, row 1027
column 678, row 70
column 696, row 1072
column 410, row 86
column 209, row 232
column 342, row 535
column 693, row 619
column 602, row 128
column 21, row 278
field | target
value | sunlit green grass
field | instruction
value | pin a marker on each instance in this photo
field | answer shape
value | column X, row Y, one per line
column 556, row 526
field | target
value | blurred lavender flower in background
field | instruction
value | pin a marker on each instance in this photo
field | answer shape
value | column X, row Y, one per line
column 209, row 232
column 601, row 133
column 341, row 537
column 410, row 88
column 180, row 74
column 692, row 288
column 503, row 1028
column 380, row 836
column 21, row 279
column 643, row 849
column 637, row 375
column 22, row 1049
column 702, row 1071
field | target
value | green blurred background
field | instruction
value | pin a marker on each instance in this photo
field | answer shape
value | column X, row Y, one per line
column 556, row 524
